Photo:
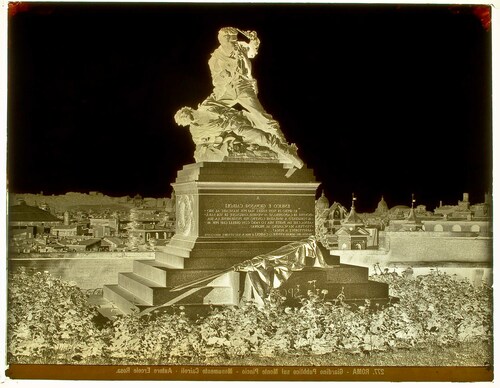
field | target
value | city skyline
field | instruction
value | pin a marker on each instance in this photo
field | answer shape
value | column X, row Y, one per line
column 380, row 100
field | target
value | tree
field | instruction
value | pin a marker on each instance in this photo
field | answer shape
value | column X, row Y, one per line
column 133, row 238
column 320, row 225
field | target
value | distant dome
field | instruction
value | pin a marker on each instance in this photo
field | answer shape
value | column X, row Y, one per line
column 382, row 206
column 322, row 203
column 398, row 208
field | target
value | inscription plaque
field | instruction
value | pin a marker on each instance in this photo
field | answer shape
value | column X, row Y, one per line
column 256, row 216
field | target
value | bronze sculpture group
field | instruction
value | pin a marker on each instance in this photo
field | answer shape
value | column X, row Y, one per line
column 219, row 130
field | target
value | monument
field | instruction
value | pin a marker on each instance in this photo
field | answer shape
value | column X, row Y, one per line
column 245, row 210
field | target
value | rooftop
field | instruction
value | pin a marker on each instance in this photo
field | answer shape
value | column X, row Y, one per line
column 26, row 213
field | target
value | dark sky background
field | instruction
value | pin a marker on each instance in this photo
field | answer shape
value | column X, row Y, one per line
column 381, row 100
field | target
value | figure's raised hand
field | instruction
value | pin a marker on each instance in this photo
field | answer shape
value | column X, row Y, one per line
column 252, row 35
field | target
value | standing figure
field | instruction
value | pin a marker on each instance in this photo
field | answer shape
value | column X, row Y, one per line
column 232, row 78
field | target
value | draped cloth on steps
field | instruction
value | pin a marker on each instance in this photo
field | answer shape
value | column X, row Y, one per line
column 265, row 272
column 271, row 270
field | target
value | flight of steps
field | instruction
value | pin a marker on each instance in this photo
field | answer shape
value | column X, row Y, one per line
column 151, row 281
column 165, row 281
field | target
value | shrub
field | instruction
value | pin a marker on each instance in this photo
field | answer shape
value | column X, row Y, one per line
column 49, row 318
column 441, row 309
column 150, row 338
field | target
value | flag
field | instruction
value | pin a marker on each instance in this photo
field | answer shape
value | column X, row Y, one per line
column 271, row 270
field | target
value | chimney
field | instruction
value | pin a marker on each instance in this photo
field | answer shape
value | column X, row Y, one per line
column 466, row 197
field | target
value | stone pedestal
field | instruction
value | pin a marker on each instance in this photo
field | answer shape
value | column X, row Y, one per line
column 230, row 212
column 227, row 213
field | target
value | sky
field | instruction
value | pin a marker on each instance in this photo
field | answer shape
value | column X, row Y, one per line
column 380, row 99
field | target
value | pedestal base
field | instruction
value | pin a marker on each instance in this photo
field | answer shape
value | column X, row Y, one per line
column 230, row 212
column 227, row 213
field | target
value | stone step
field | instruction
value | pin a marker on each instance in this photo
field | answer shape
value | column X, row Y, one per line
column 218, row 261
column 142, row 288
column 370, row 290
column 153, row 270
column 170, row 259
column 222, row 255
column 152, row 293
column 176, row 277
column 217, row 296
column 343, row 274
column 210, row 296
column 208, row 253
column 352, row 291
column 165, row 276
column 124, row 300
column 347, row 273
column 110, row 312
column 174, row 252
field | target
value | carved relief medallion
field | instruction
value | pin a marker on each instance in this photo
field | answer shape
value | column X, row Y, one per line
column 185, row 216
